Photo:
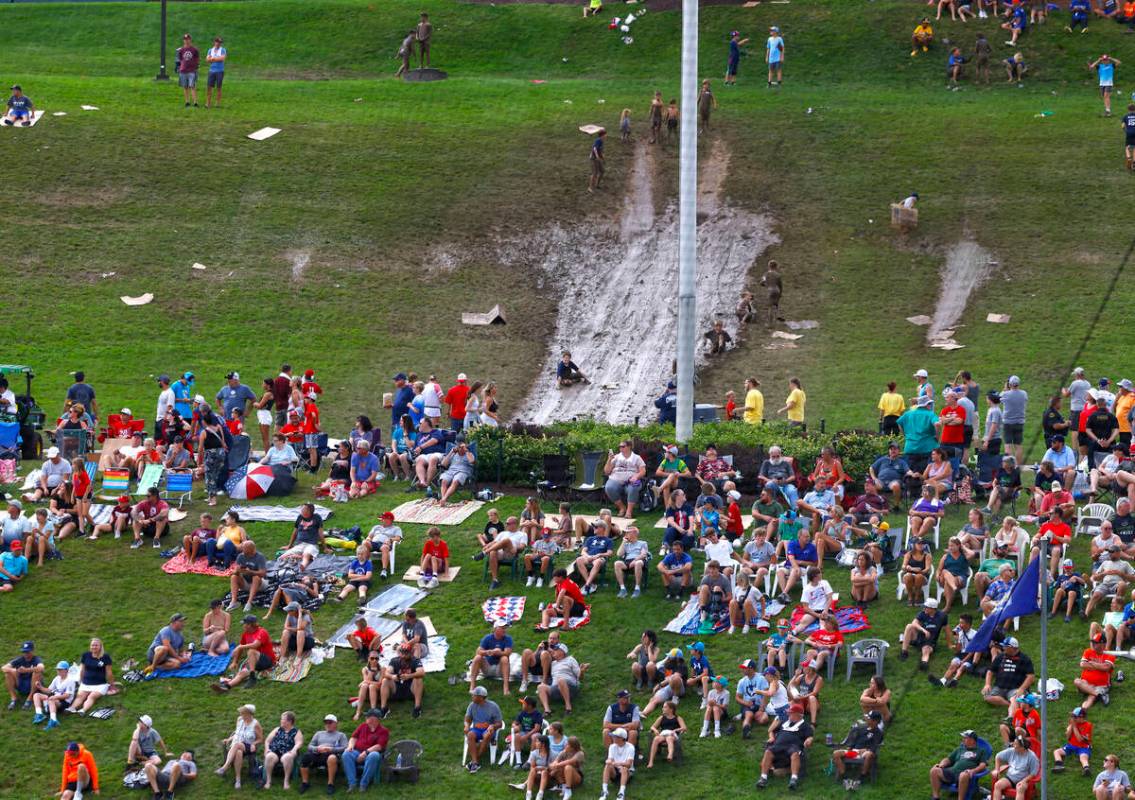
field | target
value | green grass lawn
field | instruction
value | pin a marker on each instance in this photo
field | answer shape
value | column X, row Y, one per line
column 372, row 178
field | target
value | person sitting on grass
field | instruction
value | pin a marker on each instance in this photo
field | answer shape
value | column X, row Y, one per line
column 863, row 742
column 876, row 698
column 701, row 673
column 21, row 109
column 805, row 686
column 1096, row 671
column 305, row 589
column 23, row 675
column 121, row 514
column 597, row 550
column 254, row 654
column 526, row 726
column 645, row 658
column 359, row 573
column 747, row 603
column 80, row 773
column 145, row 743
column 95, row 678
column 565, row 676
column 749, row 696
column 539, row 758
column 59, row 694
column 1079, row 734
column 1068, row 589
column 492, row 657
column 167, row 650
column 1111, row 783
column 962, row 662
column 633, row 556
column 622, row 713
column 566, row 769
column 968, row 759
column 224, row 548
column 458, row 468
column 507, row 546
column 54, row 471
column 215, row 629
column 668, row 730
column 151, row 517
column 482, row 719
column 177, row 772
column 325, row 749
column 672, row 686
column 864, row 580
column 1009, row 677
column 297, row 635
column 787, row 740
column 364, row 640
column 364, row 753
column 676, row 567
column 619, row 764
column 282, row 746
column 403, row 679
column 243, row 743
column 1015, row 768
column 923, row 632
column 281, row 453
column 13, row 567
column 370, row 685
column 383, row 537
column 800, row 557
column 435, row 555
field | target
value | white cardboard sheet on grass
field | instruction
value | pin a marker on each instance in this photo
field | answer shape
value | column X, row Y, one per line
column 36, row 116
column 1000, row 319
column 89, row 108
column 920, row 319
column 198, row 266
column 263, row 133
column 138, row 301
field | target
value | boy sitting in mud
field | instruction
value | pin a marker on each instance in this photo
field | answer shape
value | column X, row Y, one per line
column 568, row 372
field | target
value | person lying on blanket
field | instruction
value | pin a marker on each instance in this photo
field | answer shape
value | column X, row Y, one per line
column 167, row 650
column 569, row 601
column 254, row 654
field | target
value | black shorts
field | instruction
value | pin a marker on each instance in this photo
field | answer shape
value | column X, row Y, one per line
column 402, row 691
column 731, row 68
column 994, row 448
column 310, row 760
column 924, row 641
column 1014, row 432
column 577, row 609
column 362, row 584
column 967, row 432
column 215, row 80
column 288, row 642
column 263, row 662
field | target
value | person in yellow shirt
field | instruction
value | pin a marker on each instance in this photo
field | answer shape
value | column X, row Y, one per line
column 1124, row 402
column 794, row 405
column 754, row 402
column 922, row 38
column 891, row 407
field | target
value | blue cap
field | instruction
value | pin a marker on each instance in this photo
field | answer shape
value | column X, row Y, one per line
column 401, row 376
column 699, row 646
column 188, row 376
column 671, row 385
column 27, row 646
column 771, row 671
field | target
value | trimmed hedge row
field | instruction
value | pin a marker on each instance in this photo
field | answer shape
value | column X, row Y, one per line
column 516, row 454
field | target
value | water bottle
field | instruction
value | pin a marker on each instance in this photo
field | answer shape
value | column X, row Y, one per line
column 398, row 762
column 828, row 739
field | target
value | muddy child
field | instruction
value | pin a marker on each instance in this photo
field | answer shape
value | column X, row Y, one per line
column 707, row 103
column 596, row 159
column 625, row 126
column 671, row 121
column 656, row 109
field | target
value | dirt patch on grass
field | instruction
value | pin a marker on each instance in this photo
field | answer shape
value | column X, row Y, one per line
column 968, row 265
column 83, row 197
column 299, row 260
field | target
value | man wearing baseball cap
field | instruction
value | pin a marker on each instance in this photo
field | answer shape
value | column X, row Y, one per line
column 749, row 695
column 456, row 398
column 54, row 471
column 624, row 715
column 1096, row 669
column 923, row 632
column 325, row 749
column 482, row 720
column 861, row 744
column 308, row 387
column 235, row 395
column 167, row 650
column 254, row 654
column 13, row 566
column 968, row 759
column 787, row 741
column 619, row 763
column 1009, row 677
column 920, row 434
column 145, row 743
column 15, row 527
column 23, row 675
column 1014, row 412
column 80, row 772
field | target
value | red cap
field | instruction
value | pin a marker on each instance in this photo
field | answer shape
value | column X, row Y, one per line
column 796, row 708
column 310, row 373
column 123, row 499
column 15, row 545
column 387, row 515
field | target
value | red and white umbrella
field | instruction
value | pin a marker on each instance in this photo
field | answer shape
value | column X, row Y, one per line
column 248, row 484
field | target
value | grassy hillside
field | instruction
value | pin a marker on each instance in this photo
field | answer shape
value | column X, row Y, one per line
column 373, row 178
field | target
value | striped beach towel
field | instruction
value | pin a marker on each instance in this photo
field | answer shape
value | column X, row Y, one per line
column 505, row 610
column 290, row 669
column 116, row 481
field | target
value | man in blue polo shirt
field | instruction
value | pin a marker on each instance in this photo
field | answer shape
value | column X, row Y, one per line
column 676, row 567
column 492, row 659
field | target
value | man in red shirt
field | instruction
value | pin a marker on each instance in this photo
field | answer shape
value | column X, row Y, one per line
column 569, row 600
column 1060, row 535
column 281, row 393
column 309, row 388
column 1024, row 717
column 255, row 653
column 435, row 554
column 362, row 639
column 951, row 426
column 364, row 751
column 293, row 430
column 1057, row 497
column 456, row 398
column 1096, row 667
column 151, row 516
column 311, row 431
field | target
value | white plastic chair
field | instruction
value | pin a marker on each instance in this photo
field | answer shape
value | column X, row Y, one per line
column 493, row 746
column 512, row 756
column 1022, row 547
column 937, row 531
column 1091, row 516
column 964, row 591
column 901, row 590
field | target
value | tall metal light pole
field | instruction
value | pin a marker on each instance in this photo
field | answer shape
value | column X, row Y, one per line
column 687, row 223
column 162, row 76
column 1042, row 600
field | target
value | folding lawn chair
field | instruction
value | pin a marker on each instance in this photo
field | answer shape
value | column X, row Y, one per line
column 179, row 483
column 151, row 477
column 10, row 440
column 115, row 481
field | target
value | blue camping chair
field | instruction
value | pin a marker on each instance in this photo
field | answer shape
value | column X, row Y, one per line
column 10, row 440
column 179, row 483
column 971, row 790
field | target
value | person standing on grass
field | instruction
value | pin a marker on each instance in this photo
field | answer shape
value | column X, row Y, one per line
column 981, row 52
column 656, row 106
column 423, row 33
column 406, row 52
column 1105, row 68
column 671, row 120
column 188, row 58
column 774, row 286
column 774, row 55
column 735, row 44
column 706, row 104
column 216, row 58
column 1128, row 124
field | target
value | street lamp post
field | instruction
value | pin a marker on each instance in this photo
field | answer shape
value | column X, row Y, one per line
column 162, row 76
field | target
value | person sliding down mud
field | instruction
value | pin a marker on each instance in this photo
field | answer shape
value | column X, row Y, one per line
column 568, row 372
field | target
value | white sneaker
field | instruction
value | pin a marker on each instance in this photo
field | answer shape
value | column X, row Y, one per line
column 523, row 687
column 603, row 796
column 567, row 793
column 717, row 733
column 704, row 733
column 528, row 795
column 703, row 703
column 540, row 795
column 621, row 795
column 539, row 583
column 982, row 15
column 530, row 581
column 382, row 574
column 732, row 630
column 745, row 629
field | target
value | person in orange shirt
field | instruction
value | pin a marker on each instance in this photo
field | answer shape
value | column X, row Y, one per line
column 1096, row 668
column 79, row 773
column 1079, row 734
column 1124, row 403
column 311, row 432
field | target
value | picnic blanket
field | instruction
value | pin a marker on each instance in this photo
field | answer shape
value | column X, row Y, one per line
column 324, row 564
column 395, row 599
column 851, row 619
column 100, row 513
column 572, row 623
column 429, row 512
column 687, row 622
column 201, row 665
column 435, row 657
column 275, row 513
column 290, row 669
column 382, row 626
column 30, row 480
column 553, row 520
column 503, row 609
column 200, row 566
column 415, row 572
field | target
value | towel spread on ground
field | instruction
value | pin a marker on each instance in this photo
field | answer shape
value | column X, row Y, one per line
column 435, row 656
column 275, row 513
column 429, row 512
column 395, row 599
column 851, row 619
column 100, row 513
column 323, row 565
column 382, row 626
column 688, row 623
column 746, row 522
column 415, row 572
column 290, row 669
column 199, row 566
column 572, row 623
column 505, row 610
column 201, row 665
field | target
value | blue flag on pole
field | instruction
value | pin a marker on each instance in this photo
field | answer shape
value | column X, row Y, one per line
column 1020, row 602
